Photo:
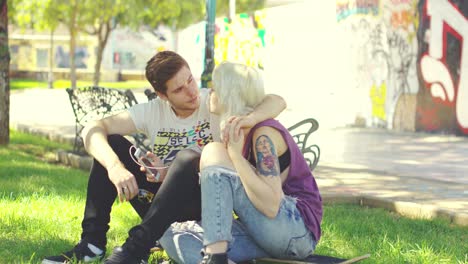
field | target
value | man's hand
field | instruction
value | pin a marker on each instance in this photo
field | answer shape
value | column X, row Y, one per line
column 156, row 162
column 235, row 143
column 124, row 182
column 233, row 127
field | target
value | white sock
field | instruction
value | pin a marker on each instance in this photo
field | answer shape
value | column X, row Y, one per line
column 95, row 249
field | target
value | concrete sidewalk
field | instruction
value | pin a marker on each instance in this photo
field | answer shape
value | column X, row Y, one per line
column 415, row 174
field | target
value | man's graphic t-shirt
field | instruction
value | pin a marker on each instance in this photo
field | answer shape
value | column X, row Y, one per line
column 168, row 133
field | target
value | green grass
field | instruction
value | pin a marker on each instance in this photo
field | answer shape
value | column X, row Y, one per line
column 350, row 230
column 41, row 206
column 41, row 203
column 19, row 84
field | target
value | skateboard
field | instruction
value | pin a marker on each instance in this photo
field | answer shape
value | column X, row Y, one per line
column 314, row 259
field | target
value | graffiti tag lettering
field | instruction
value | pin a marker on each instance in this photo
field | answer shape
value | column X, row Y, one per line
column 347, row 8
column 433, row 69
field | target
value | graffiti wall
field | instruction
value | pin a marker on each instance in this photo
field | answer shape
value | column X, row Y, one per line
column 381, row 35
column 442, row 101
column 242, row 39
column 408, row 67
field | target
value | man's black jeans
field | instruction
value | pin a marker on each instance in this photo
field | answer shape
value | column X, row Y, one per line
column 177, row 199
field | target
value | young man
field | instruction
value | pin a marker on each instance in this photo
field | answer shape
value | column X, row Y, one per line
column 179, row 125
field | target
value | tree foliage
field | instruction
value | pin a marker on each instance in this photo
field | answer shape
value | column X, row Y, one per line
column 35, row 14
column 100, row 17
column 242, row 6
column 182, row 13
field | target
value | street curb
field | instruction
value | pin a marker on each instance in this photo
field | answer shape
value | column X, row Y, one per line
column 51, row 135
column 64, row 157
column 333, row 198
column 404, row 208
column 407, row 209
column 74, row 160
column 460, row 219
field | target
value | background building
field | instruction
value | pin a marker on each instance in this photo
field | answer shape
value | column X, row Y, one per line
column 126, row 51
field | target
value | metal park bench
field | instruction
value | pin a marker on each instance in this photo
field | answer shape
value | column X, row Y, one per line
column 93, row 103
column 300, row 132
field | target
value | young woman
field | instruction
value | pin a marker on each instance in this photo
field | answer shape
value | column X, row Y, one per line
column 260, row 174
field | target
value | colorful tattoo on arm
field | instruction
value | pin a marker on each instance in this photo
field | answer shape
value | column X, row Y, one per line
column 267, row 159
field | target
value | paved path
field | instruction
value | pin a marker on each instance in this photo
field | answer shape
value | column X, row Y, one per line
column 416, row 174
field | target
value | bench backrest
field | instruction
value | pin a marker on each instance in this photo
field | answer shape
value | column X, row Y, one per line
column 150, row 94
column 301, row 133
column 94, row 103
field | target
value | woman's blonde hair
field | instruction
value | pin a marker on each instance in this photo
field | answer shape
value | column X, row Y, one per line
column 239, row 88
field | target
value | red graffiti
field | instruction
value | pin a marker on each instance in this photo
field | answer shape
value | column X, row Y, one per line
column 428, row 119
column 445, row 18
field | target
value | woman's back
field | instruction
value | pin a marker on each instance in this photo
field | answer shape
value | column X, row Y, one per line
column 299, row 182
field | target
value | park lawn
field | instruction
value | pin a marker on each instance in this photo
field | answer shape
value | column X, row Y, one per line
column 41, row 206
column 19, row 84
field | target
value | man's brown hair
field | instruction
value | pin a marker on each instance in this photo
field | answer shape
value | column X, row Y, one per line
column 162, row 67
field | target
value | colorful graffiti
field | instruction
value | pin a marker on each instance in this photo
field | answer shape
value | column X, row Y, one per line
column 378, row 95
column 385, row 52
column 401, row 19
column 241, row 39
column 443, row 57
column 346, row 8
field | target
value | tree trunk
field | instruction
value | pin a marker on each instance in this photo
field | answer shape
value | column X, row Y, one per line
column 51, row 60
column 73, row 33
column 72, row 58
column 4, row 79
column 103, row 35
column 209, row 43
column 175, row 44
